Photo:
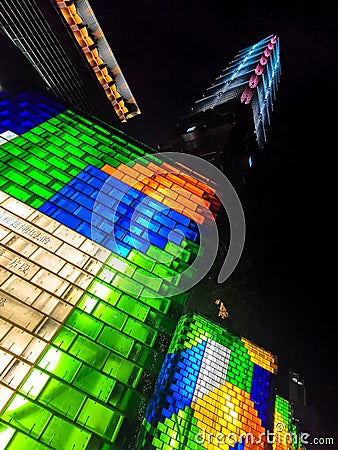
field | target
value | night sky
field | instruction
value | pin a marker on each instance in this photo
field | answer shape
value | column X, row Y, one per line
column 279, row 296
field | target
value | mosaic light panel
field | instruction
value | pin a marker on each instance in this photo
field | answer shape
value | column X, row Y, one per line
column 211, row 382
column 79, row 354
column 285, row 431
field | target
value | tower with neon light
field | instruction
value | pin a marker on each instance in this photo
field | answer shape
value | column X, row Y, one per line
column 229, row 124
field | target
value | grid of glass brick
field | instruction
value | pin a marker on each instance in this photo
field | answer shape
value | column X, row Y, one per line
column 212, row 382
column 285, row 431
column 86, row 352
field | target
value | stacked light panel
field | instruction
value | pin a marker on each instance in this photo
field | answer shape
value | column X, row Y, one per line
column 211, row 382
column 89, row 36
column 253, row 77
column 285, row 431
column 81, row 336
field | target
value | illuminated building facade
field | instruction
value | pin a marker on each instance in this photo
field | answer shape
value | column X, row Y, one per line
column 85, row 324
column 66, row 45
column 228, row 125
column 214, row 389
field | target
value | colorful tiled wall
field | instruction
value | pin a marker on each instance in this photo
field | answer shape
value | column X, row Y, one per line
column 214, row 389
column 285, row 431
column 82, row 337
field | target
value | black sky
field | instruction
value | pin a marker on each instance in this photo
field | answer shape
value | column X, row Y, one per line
column 170, row 52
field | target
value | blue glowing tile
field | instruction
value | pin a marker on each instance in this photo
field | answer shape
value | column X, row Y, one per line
column 97, row 173
column 84, row 214
column 179, row 217
column 164, row 220
column 137, row 243
column 66, row 219
column 155, row 239
column 64, row 202
column 83, row 200
column 48, row 209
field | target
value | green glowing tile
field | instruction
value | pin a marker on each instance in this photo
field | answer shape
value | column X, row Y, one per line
column 161, row 304
column 58, row 151
column 57, row 162
column 87, row 303
column 34, row 383
column 118, row 263
column 123, row 370
column 79, row 320
column 40, row 190
column 58, row 174
column 89, row 159
column 36, row 203
column 62, row 434
column 76, row 161
column 39, row 176
column 62, row 398
column 89, row 140
column 6, row 433
column 164, row 272
column 74, row 150
column 116, row 341
column 55, row 140
column 22, row 441
column 13, row 149
column 38, row 163
column 59, row 363
column 89, row 352
column 19, row 193
column 127, row 285
column 72, row 139
column 56, row 185
column 147, row 279
column 99, row 419
column 140, row 331
column 85, row 129
column 159, row 255
column 26, row 415
column 16, row 177
column 101, row 130
column 18, row 164
column 104, row 291
column 64, row 338
column 177, row 252
column 117, row 394
column 110, row 315
column 94, row 383
column 133, row 307
column 141, row 260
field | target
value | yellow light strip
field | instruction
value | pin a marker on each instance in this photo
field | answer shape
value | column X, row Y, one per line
column 82, row 37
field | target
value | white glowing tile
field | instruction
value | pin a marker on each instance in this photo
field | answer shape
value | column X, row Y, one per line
column 48, row 260
column 48, row 329
column 45, row 303
column 16, row 264
column 19, row 244
column 33, row 351
column 5, row 396
column 8, row 135
column 21, row 314
column 67, row 235
column 4, row 326
column 61, row 311
column 72, row 255
column 17, row 207
column 3, row 233
column 34, row 383
column 50, row 282
column 41, row 220
column 3, row 196
column 15, row 374
column 5, row 359
column 213, row 371
column 95, row 250
column 16, row 340
column 21, row 289
column 73, row 295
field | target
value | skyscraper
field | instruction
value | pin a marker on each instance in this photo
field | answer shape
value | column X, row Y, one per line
column 66, row 45
column 229, row 124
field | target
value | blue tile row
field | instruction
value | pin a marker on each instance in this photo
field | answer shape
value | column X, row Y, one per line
column 100, row 206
